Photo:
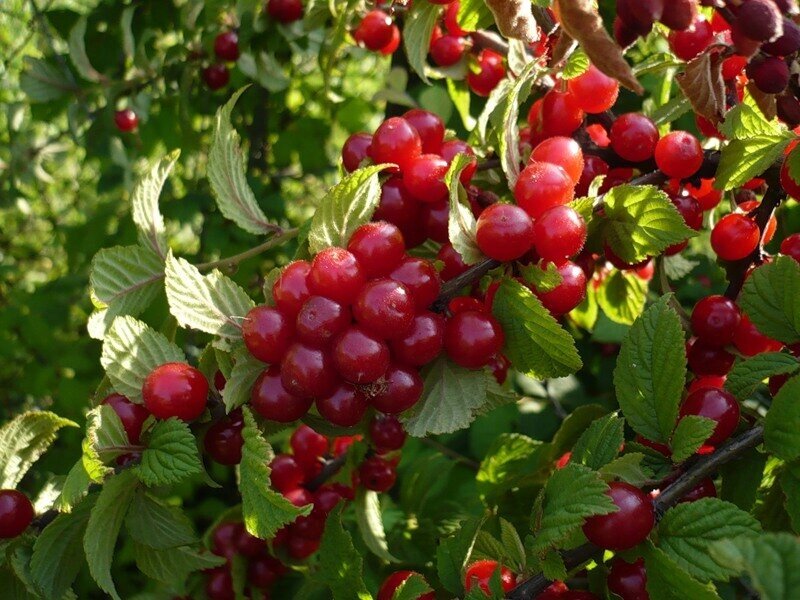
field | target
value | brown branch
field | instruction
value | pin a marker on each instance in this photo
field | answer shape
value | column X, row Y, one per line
column 451, row 288
column 329, row 470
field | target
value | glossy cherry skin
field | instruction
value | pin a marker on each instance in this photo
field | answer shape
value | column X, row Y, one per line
column 216, row 76
column 422, row 342
column 715, row 319
column 267, row 333
column 561, row 114
column 345, row 406
column 628, row 581
column 454, row 265
column 713, row 381
column 398, row 207
column 374, row 30
column 434, row 217
column 560, row 233
column 562, row 151
column 270, row 399
column 285, row 11
column 679, row 154
column 788, row 183
column 504, row 232
column 387, row 433
column 430, row 128
column 472, row 338
column 448, row 50
column 393, row 43
column 423, row 177
column 131, row 415
column 750, row 341
column 286, row 474
column 593, row 167
column 541, row 186
column 225, row 539
column 384, row 307
column 264, row 570
column 402, row 390
column 223, row 440
column 708, row 360
column 627, row 527
column 16, row 513
column 479, row 574
column 126, row 120
column 307, row 444
column 395, row 141
column 308, row 372
column 175, row 390
column 291, row 290
column 569, row 293
column 692, row 41
column 300, row 547
column 226, row 46
column 394, row 581
column 716, row 404
column 634, row 137
column 377, row 474
column 219, row 584
column 420, row 278
column 735, row 236
column 249, row 545
column 355, row 150
column 321, row 320
column 490, row 71
column 594, row 91
column 378, row 247
column 336, row 274
column 360, row 357
column 299, row 496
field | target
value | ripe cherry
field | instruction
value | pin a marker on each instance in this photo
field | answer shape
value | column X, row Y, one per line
column 308, row 372
column 423, row 177
column 285, row 11
column 300, row 548
column 377, row 474
column 790, row 246
column 16, row 513
column 693, row 40
column 480, row 573
column 398, row 207
column 219, row 584
column 264, row 570
column 310, row 526
column 175, row 390
column 541, row 186
column 336, row 274
column 394, row 581
column 249, row 545
column 226, row 46
column 759, row 20
column 634, row 137
column 345, row 406
column 750, row 341
column 715, row 404
column 430, row 128
column 715, row 319
column 448, row 50
column 374, row 30
column 223, row 440
column 299, row 496
column 451, row 19
column 628, row 581
column 422, row 342
column 490, row 70
column 359, row 356
column 291, row 290
column 132, row 416
column 504, row 232
column 225, row 539
column 569, row 293
column 594, row 91
column 286, row 474
column 708, row 360
column 387, row 434
column 434, row 218
column 472, row 338
column 788, row 183
column 453, row 148
column 355, row 150
column 561, row 114
column 421, row 279
column 395, row 141
column 715, row 381
column 679, row 154
column 321, row 320
column 562, row 151
column 267, row 333
column 126, row 120
column 384, row 307
column 593, row 167
column 216, row 76
column 735, row 236
column 307, row 444
column 627, row 527
column 679, row 14
column 326, row 498
column 270, row 399
column 401, row 391
column 394, row 42
column 454, row 265
column 560, row 233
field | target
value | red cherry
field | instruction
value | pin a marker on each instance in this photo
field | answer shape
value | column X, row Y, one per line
column 715, row 319
column 790, row 246
column 320, row 320
column 593, row 167
column 223, row 440
column 394, row 42
column 560, row 233
column 398, row 207
column 267, row 333
column 175, row 390
column 249, row 545
column 464, row 303
column 704, row 489
column 355, row 150
column 300, row 548
column 562, row 151
column 789, row 185
column 434, row 218
column 387, row 434
column 308, row 372
column 310, row 526
column 395, row 141
column 345, row 406
column 422, row 342
column 453, row 148
column 454, row 265
column 216, row 76
column 423, row 177
column 679, row 14
column 627, row 527
column 715, row 404
column 336, row 274
column 226, row 46
column 264, row 570
column 126, row 120
column 377, row 474
column 472, row 338
column 359, row 356
column 448, row 50
column 541, row 186
column 378, row 247
column 299, row 496
column 480, row 573
column 634, row 137
column 270, row 399
column 290, row 290
column 735, row 236
column 628, row 581
column 285, row 11
column 504, row 232
column 402, row 390
column 132, row 416
column 374, row 30
column 569, row 293
column 308, row 444
column 750, row 341
column 713, row 381
column 394, row 581
column 430, row 128
column 561, row 114
column 421, row 279
column 693, row 40
column 219, row 381
column 705, row 359
column 384, row 307
column 594, row 91
column 490, row 71
column 690, row 210
column 326, row 498
column 286, row 473
column 16, row 513
column 225, row 539
column 451, row 19
column 679, row 154
column 219, row 584
column 707, row 197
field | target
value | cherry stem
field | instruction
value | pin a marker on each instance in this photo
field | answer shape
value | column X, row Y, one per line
column 330, row 468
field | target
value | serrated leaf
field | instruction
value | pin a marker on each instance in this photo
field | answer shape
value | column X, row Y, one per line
column 42, row 81
column 412, row 588
column 173, row 566
column 417, row 30
column 508, row 147
column 781, row 431
column 243, row 375
column 772, row 562
column 77, row 52
column 264, row 510
column 340, row 564
column 453, row 552
column 577, row 64
column 687, row 531
column 127, row 278
column 23, row 440
column 667, row 581
column 58, row 551
column 104, row 525
column 370, row 524
column 514, row 548
column 570, row 496
column 771, row 299
column 622, row 296
column 544, row 279
column 131, row 350
column 535, row 343
column 105, row 440
column 790, row 484
column 512, row 461
column 474, row 15
column 74, row 488
column 690, row 433
column 491, row 109
column 743, row 121
column 600, row 443
column 703, row 85
column 347, row 205
column 226, row 174
column 744, row 159
column 144, row 204
column 651, row 371
column 586, row 313
column 629, row 468
column 158, row 525
column 742, row 478
column 461, row 223
column 642, row 222
column 171, row 454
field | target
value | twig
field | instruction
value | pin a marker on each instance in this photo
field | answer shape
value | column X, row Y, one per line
column 329, row 470
column 450, row 453
column 451, row 288
column 282, row 235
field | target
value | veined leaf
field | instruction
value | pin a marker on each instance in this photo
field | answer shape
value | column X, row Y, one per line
column 781, row 433
column 171, row 454
column 461, row 223
column 144, row 205
column 771, row 299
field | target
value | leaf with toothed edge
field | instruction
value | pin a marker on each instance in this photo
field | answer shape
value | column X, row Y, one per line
column 461, row 223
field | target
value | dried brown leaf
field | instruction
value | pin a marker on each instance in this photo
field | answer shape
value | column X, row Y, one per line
column 768, row 103
column 514, row 19
column 702, row 83
column 580, row 20
column 563, row 48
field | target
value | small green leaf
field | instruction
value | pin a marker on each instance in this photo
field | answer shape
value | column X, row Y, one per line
column 781, row 431
column 744, row 159
column 667, row 581
column 171, row 454
column 747, row 374
column 173, row 566
column 474, row 15
column 412, row 588
column 42, row 81
column 340, row 564
column 417, row 29
column 630, row 468
column 144, row 205
column 75, row 487
column 508, row 147
column 460, row 96
column 370, row 523
column 77, row 52
column 577, row 64
column 742, row 478
column 771, row 299
column 690, row 433
column 544, row 279
column 512, row 461
column 105, row 440
column 126, row 278
column 243, row 375
column 790, row 484
column 454, row 552
column 744, row 121
column 622, row 297
column 600, row 443
column 158, row 525
column 461, row 223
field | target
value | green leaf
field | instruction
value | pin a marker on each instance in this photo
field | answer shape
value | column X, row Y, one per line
column 622, row 297
column 642, row 222
column 246, row 370
column 412, row 588
column 77, row 52
column 742, row 478
column 417, row 29
column 669, row 112
column 347, row 205
column 158, row 525
column 491, row 110
column 570, row 496
column 747, row 374
column 461, row 223
column 126, row 278
column 667, row 581
column 474, row 15
column 105, row 440
column 586, row 313
column 58, row 551
column 173, row 566
column 577, row 64
column 370, row 523
column 264, row 511
column 512, row 461
column 144, row 205
column 651, row 371
column 790, row 484
column 544, row 279
column 212, row 303
column 630, row 468
column 226, row 174
column 771, row 561
column 781, row 431
column 453, row 552
column 23, row 440
column 744, row 159
column 508, row 146
column 128, row 41
column 771, row 299
column 600, row 443
column 690, row 433
column 104, row 525
column 131, row 350
column 460, row 96
column 744, row 121
column 340, row 564
column 688, row 530
column 514, row 549
column 42, row 81
column 535, row 342
column 171, row 454
column 74, row 488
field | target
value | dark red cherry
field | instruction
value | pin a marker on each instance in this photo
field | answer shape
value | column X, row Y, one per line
column 308, row 372
column 226, row 46
column 291, row 290
column 378, row 247
column 223, row 440
column 285, row 11
column 421, row 279
column 359, row 356
column 627, row 527
column 216, row 76
column 715, row 319
column 225, row 539
column 286, row 473
column 336, row 274
column 377, row 474
column 308, row 444
column 270, row 399
column 345, row 406
column 321, row 320
column 16, row 513
column 267, row 333
column 402, row 390
column 628, row 580
column 219, row 584
column 472, row 338
column 131, row 415
column 395, row 141
column 355, row 150
column 384, row 307
column 715, row 404
column 422, row 342
column 175, row 390
column 387, row 433
column 126, row 120
column 430, row 128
